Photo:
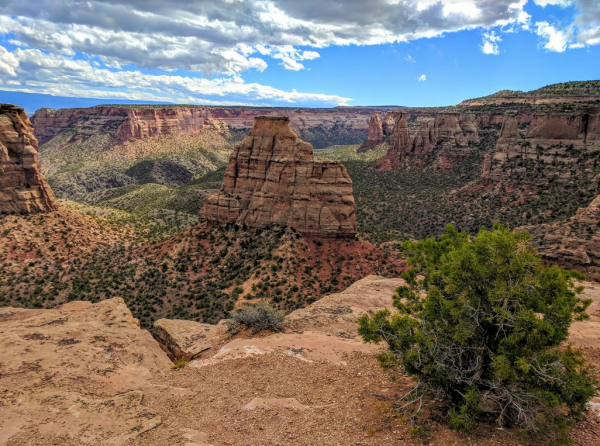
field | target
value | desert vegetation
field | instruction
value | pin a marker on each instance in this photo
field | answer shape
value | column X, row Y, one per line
column 481, row 327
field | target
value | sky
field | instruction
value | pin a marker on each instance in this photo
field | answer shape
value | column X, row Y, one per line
column 293, row 53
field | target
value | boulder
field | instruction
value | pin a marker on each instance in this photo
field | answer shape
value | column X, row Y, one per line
column 188, row 339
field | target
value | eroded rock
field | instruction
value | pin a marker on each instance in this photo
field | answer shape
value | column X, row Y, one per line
column 273, row 179
column 23, row 188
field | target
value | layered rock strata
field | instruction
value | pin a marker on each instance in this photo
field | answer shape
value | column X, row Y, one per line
column 23, row 188
column 322, row 127
column 273, row 179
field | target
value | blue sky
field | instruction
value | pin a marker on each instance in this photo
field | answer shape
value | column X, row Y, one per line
column 289, row 53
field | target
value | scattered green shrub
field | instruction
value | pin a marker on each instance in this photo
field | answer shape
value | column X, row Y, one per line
column 260, row 317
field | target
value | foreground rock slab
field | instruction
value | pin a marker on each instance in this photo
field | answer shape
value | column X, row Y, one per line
column 325, row 331
column 85, row 374
column 76, row 373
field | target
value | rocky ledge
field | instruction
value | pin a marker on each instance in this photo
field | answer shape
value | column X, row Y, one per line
column 273, row 179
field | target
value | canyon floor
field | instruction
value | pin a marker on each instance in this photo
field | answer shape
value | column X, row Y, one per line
column 86, row 374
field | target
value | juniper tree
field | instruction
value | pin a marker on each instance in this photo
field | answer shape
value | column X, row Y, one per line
column 482, row 324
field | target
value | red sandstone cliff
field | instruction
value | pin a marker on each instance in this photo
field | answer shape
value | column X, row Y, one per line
column 23, row 188
column 273, row 179
column 522, row 133
column 322, row 127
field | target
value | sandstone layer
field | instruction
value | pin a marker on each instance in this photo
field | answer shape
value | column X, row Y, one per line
column 23, row 188
column 375, row 135
column 522, row 133
column 77, row 373
column 273, row 179
column 321, row 127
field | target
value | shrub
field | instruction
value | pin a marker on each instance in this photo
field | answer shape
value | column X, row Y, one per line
column 482, row 324
column 259, row 317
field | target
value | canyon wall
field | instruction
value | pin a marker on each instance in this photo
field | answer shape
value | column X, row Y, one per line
column 521, row 134
column 273, row 179
column 553, row 140
column 320, row 127
column 23, row 188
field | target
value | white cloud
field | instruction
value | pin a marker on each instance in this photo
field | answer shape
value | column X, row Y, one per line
column 490, row 43
column 222, row 36
column 62, row 75
column 583, row 31
column 422, row 78
column 545, row 3
column 221, row 40
column 553, row 39
column 409, row 59
column 290, row 57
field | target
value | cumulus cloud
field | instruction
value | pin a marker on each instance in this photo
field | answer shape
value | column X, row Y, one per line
column 32, row 70
column 221, row 36
column 422, row 78
column 583, row 31
column 553, row 39
column 490, row 43
column 544, row 3
column 221, row 40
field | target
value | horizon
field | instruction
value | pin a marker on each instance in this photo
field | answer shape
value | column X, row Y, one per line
column 259, row 53
column 71, row 103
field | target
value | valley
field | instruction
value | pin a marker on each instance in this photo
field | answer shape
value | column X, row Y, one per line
column 170, row 221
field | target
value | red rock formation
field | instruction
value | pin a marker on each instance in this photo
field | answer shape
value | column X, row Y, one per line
column 340, row 125
column 424, row 140
column 376, row 136
column 23, row 188
column 273, row 179
column 543, row 137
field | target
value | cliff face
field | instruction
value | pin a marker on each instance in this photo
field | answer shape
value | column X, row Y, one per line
column 273, row 179
column 375, row 135
column 414, row 136
column 521, row 134
column 23, row 188
column 321, row 127
column 550, row 140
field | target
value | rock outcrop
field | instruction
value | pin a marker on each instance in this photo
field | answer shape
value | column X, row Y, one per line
column 273, row 179
column 546, row 139
column 415, row 135
column 23, row 188
column 85, row 374
column 376, row 135
column 76, row 373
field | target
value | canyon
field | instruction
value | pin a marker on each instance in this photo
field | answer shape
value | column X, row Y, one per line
column 273, row 179
column 23, row 188
column 320, row 127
